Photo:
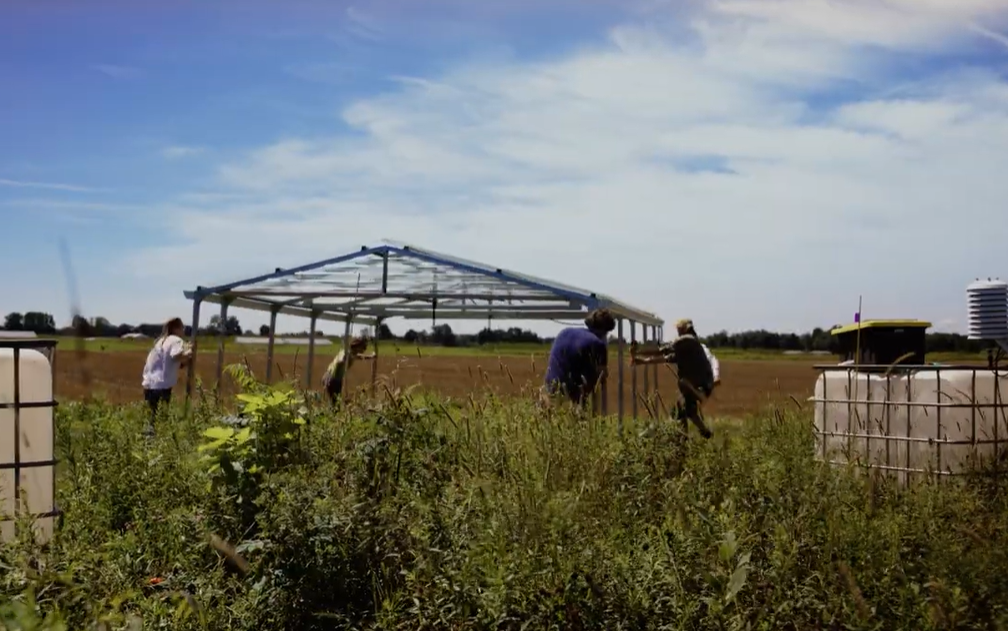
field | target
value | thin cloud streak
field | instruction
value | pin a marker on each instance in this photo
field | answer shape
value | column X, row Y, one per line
column 117, row 71
column 53, row 186
column 180, row 151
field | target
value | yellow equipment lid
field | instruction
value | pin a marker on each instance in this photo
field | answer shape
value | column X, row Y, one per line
column 881, row 324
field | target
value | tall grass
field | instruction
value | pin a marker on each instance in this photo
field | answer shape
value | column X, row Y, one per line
column 429, row 514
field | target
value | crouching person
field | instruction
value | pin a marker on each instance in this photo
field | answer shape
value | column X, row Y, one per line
column 335, row 374
column 578, row 358
column 696, row 375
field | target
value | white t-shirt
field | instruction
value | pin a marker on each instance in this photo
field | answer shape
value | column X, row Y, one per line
column 162, row 367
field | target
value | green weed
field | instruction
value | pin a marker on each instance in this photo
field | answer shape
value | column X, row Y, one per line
column 411, row 512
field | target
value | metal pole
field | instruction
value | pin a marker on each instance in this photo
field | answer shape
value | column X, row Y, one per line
column 346, row 354
column 193, row 336
column 222, row 332
column 619, row 371
column 647, row 369
column 269, row 347
column 633, row 373
column 374, row 362
column 311, row 350
column 657, row 334
column 604, row 387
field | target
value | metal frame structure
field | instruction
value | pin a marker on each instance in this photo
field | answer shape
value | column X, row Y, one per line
column 395, row 280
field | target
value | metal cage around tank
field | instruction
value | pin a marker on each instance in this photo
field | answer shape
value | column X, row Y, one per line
column 394, row 280
column 17, row 405
column 922, row 425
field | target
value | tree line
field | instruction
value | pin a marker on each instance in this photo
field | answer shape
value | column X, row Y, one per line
column 818, row 339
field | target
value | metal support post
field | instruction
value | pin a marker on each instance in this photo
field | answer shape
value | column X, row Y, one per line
column 269, row 347
column 311, row 349
column 193, row 338
column 633, row 373
column 374, row 362
column 222, row 333
column 619, row 372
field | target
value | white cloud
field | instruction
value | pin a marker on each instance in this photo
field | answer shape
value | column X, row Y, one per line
column 844, row 179
column 180, row 151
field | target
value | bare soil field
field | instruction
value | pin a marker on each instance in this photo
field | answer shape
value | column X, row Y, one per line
column 747, row 385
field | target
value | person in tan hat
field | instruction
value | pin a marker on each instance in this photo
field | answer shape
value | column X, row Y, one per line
column 697, row 377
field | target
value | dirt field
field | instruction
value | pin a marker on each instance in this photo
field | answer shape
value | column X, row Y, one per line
column 747, row 385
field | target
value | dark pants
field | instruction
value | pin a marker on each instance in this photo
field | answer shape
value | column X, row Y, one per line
column 688, row 410
column 333, row 388
column 155, row 398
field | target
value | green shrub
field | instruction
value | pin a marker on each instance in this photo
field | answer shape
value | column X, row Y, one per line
column 416, row 513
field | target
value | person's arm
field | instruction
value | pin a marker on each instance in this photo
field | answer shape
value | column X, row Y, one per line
column 654, row 359
column 664, row 354
column 650, row 351
column 179, row 350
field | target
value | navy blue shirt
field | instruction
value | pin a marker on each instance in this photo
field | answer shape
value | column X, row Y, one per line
column 576, row 361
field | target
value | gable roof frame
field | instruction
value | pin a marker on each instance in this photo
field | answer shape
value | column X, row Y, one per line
column 540, row 299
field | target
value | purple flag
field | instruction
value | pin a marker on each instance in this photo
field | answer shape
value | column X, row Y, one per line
column 857, row 317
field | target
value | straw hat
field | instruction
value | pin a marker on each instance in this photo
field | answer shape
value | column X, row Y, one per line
column 684, row 325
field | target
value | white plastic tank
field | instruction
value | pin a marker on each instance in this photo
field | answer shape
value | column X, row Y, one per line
column 26, row 441
column 911, row 423
column 987, row 304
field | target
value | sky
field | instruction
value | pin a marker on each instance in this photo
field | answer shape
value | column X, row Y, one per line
column 744, row 163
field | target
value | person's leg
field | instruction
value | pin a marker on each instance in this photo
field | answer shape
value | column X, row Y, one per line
column 691, row 412
column 150, row 397
column 156, row 399
column 334, row 388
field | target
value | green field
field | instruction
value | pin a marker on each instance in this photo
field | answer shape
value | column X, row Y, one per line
column 416, row 514
column 398, row 347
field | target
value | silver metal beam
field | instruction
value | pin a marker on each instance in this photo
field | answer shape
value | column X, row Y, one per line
column 267, row 294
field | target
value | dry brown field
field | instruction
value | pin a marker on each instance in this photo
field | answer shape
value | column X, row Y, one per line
column 748, row 385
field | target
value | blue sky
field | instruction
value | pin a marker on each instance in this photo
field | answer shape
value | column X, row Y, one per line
column 746, row 163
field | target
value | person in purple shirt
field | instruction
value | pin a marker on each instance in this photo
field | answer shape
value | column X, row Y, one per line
column 578, row 358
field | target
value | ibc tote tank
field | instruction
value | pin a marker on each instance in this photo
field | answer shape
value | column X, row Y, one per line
column 27, row 433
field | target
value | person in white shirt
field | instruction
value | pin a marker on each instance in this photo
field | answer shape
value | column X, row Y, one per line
column 161, row 371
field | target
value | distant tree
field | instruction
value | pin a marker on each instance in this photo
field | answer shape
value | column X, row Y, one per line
column 384, row 332
column 411, row 336
column 264, row 330
column 443, row 335
column 231, row 327
column 40, row 322
column 14, row 322
column 102, row 327
column 81, row 327
column 513, row 335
